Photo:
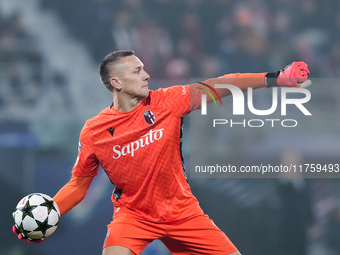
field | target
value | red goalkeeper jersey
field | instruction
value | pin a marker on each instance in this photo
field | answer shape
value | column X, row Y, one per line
column 141, row 154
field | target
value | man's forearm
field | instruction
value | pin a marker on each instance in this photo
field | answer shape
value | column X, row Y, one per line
column 72, row 193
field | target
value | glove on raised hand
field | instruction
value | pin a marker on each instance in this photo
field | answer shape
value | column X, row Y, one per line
column 293, row 75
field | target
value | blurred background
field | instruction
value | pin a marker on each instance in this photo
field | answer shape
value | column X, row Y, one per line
column 49, row 85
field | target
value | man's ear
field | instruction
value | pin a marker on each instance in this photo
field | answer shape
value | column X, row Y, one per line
column 115, row 83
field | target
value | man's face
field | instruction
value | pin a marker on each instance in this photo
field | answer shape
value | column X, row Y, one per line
column 133, row 78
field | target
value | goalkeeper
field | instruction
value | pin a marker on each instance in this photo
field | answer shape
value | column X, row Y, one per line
column 137, row 141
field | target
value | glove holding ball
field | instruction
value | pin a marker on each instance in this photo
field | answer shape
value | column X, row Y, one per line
column 22, row 236
column 36, row 217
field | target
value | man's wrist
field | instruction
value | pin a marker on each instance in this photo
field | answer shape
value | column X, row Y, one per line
column 270, row 79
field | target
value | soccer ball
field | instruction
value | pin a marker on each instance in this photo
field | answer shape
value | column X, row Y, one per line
column 36, row 216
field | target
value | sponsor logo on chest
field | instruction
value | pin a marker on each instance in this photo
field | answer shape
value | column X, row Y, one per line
column 132, row 147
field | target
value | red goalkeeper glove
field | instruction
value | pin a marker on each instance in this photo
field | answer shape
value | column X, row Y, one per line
column 292, row 75
column 21, row 236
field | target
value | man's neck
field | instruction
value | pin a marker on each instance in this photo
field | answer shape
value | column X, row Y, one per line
column 125, row 104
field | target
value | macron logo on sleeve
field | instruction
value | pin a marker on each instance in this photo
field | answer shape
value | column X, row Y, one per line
column 184, row 91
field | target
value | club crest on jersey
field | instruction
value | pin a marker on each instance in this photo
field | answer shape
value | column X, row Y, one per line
column 149, row 117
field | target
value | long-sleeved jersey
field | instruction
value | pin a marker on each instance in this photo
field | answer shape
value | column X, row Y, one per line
column 141, row 154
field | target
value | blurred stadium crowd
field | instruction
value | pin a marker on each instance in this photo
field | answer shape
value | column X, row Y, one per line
column 196, row 38
column 180, row 39
column 20, row 61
